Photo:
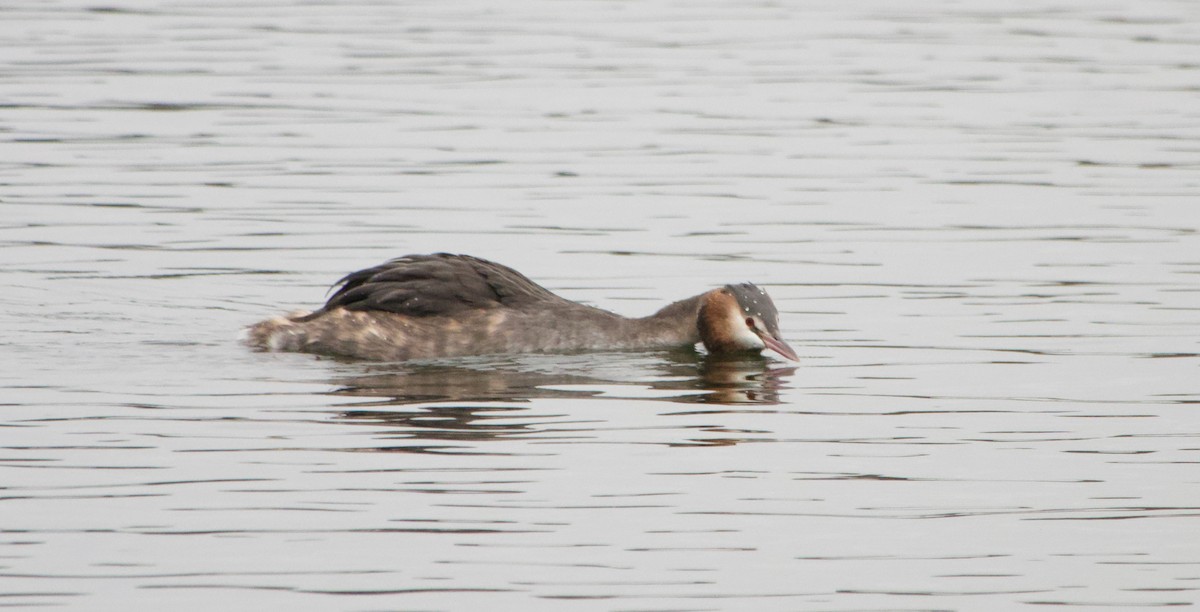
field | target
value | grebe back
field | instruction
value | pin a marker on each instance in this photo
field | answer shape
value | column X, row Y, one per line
column 443, row 305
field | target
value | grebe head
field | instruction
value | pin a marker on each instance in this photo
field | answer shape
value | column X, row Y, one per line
column 741, row 318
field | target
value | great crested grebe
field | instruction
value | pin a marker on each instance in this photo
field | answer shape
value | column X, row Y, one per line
column 443, row 305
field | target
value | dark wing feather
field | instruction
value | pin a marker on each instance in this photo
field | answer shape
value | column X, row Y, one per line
column 439, row 284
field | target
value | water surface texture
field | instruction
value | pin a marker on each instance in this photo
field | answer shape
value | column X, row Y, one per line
column 978, row 219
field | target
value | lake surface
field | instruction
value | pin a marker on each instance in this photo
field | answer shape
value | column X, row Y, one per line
column 978, row 220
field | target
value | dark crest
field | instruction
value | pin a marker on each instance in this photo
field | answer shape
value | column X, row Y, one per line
column 755, row 302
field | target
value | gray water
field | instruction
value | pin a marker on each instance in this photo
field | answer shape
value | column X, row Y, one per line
column 978, row 220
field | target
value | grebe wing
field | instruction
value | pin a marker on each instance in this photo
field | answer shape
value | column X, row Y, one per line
column 438, row 284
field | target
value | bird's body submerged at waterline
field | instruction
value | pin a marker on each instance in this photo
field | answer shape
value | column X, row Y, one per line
column 442, row 305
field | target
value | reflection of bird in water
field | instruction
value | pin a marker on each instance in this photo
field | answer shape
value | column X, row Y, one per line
column 447, row 408
column 675, row 376
column 432, row 306
column 730, row 379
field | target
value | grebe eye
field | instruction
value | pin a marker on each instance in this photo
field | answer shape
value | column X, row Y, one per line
column 750, row 322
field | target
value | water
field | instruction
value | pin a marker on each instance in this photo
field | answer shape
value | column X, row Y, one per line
column 978, row 221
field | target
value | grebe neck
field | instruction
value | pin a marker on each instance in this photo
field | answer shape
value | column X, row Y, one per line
column 673, row 324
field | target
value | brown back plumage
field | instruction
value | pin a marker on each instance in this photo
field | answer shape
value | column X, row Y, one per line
column 436, row 285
